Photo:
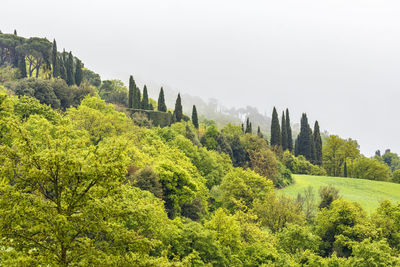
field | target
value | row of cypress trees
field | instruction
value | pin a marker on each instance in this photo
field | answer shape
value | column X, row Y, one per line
column 281, row 135
column 136, row 101
column 65, row 67
column 309, row 142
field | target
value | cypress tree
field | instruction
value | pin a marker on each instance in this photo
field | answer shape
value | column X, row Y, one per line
column 161, row 102
column 317, row 144
column 275, row 129
column 259, row 133
column 22, row 66
column 15, row 32
column 312, row 156
column 178, row 114
column 54, row 58
column 78, row 72
column 132, row 87
column 296, row 147
column 137, row 100
column 70, row 69
column 345, row 169
column 284, row 133
column 145, row 99
column 243, row 131
column 248, row 127
column 195, row 119
column 289, row 132
column 239, row 154
column 151, row 107
column 305, row 140
column 63, row 70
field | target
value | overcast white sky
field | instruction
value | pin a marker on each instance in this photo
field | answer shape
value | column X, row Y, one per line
column 337, row 60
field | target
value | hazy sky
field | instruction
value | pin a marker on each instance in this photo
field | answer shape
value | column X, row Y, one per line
column 337, row 60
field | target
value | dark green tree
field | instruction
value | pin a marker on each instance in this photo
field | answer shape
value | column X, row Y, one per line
column 289, row 132
column 317, row 144
column 145, row 99
column 276, row 137
column 78, row 72
column 178, row 113
column 259, row 134
column 15, row 32
column 195, row 119
column 305, row 139
column 161, row 102
column 248, row 126
column 70, row 69
column 284, row 133
column 239, row 154
column 132, row 91
column 22, row 66
column 54, row 58
column 63, row 70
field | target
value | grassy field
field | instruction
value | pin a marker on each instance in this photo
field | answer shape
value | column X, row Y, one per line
column 366, row 192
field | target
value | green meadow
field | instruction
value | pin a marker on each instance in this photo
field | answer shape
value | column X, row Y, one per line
column 366, row 192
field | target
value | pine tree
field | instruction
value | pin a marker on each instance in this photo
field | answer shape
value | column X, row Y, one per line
column 132, row 87
column 15, row 32
column 145, row 99
column 161, row 102
column 289, row 132
column 248, row 126
column 195, row 119
column 317, row 144
column 54, row 58
column 22, row 66
column 178, row 114
column 70, row 69
column 78, row 72
column 284, row 133
column 275, row 129
column 305, row 139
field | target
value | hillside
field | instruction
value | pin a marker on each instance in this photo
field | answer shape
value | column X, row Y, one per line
column 366, row 192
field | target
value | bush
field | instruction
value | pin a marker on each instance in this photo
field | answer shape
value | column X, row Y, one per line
column 396, row 176
column 158, row 118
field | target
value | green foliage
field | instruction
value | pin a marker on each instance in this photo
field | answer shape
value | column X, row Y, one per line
column 114, row 91
column 284, row 133
column 8, row 74
column 289, row 131
column 371, row 169
column 91, row 77
column 396, row 176
column 69, row 65
column 296, row 239
column 328, row 194
column 240, row 188
column 78, row 72
column 300, row 165
column 157, row 118
column 304, row 141
column 318, row 145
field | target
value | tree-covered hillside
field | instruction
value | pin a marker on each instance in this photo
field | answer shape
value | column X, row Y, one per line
column 96, row 173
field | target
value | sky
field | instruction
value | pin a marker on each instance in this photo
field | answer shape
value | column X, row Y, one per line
column 336, row 60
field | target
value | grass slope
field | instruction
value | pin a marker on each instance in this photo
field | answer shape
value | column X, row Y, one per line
column 366, row 192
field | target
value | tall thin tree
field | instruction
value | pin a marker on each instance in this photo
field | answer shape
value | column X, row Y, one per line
column 284, row 133
column 289, row 132
column 70, row 70
column 305, row 139
column 178, row 113
column 54, row 58
column 78, row 72
column 132, row 87
column 275, row 129
column 317, row 144
column 195, row 119
column 145, row 99
column 161, row 106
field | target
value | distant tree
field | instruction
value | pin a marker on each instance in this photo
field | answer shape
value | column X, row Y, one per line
column 289, row 132
column 259, row 133
column 70, row 70
column 114, row 91
column 248, row 126
column 63, row 69
column 161, row 102
column 275, row 129
column 54, row 58
column 145, row 99
column 284, row 133
column 178, row 114
column 239, row 154
column 195, row 119
column 78, row 72
column 378, row 153
column 15, row 32
column 317, row 144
